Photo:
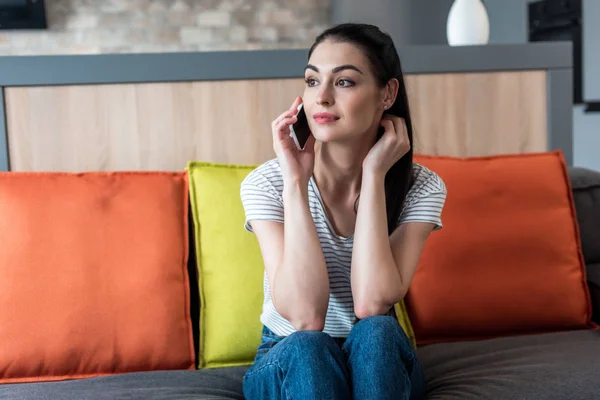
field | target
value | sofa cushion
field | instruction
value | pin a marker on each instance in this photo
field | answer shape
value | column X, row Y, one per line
column 230, row 268
column 225, row 383
column 586, row 195
column 93, row 277
column 551, row 366
column 509, row 260
column 593, row 278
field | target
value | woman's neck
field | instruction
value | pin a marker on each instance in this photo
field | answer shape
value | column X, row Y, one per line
column 338, row 167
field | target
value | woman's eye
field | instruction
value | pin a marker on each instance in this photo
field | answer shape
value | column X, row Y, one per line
column 310, row 81
column 345, row 83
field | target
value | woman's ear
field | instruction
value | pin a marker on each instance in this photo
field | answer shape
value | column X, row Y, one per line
column 390, row 92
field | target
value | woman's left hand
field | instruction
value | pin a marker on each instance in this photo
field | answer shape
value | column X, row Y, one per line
column 392, row 146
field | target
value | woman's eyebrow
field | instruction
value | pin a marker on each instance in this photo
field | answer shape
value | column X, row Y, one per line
column 336, row 69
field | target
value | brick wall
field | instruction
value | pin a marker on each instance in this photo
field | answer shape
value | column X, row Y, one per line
column 124, row 26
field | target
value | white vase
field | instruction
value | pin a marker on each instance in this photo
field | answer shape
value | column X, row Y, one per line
column 468, row 23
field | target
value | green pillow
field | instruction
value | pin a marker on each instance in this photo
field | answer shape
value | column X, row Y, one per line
column 404, row 321
column 230, row 268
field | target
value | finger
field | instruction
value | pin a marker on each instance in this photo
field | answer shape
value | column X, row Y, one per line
column 399, row 126
column 287, row 121
column 281, row 117
column 282, row 140
column 387, row 125
column 402, row 126
column 293, row 110
column 310, row 144
column 286, row 141
column 287, row 114
column 283, row 127
column 402, row 133
column 295, row 104
column 400, row 136
column 282, row 121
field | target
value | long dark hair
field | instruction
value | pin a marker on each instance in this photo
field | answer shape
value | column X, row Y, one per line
column 385, row 64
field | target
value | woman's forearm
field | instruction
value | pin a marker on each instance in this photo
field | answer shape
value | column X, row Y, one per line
column 376, row 282
column 301, row 282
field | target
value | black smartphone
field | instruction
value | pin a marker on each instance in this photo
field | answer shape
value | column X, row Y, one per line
column 299, row 131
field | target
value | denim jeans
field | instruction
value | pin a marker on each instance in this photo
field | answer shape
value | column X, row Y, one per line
column 376, row 361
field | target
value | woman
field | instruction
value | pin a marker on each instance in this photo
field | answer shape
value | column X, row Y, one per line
column 357, row 214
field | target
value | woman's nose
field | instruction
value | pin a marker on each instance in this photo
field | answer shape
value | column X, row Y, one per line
column 325, row 96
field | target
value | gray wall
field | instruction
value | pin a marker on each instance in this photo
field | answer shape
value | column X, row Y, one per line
column 591, row 49
column 509, row 21
column 398, row 18
column 377, row 12
column 422, row 22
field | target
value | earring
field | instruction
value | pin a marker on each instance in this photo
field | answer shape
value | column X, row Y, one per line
column 385, row 107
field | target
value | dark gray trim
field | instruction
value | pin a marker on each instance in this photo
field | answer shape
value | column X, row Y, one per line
column 560, row 112
column 491, row 57
column 153, row 67
column 590, row 50
column 264, row 64
column 4, row 165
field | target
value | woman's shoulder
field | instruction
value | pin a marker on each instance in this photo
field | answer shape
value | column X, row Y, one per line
column 426, row 181
column 267, row 175
column 426, row 197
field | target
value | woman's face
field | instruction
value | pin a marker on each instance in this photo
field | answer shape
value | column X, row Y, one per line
column 342, row 98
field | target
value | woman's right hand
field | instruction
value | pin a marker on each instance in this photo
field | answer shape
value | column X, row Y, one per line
column 296, row 164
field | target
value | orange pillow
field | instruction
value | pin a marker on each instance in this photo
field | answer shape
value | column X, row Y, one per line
column 508, row 260
column 93, row 277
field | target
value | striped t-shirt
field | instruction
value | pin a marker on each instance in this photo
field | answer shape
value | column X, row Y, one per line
column 261, row 194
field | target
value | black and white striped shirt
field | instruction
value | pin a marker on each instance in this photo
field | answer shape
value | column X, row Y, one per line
column 261, row 194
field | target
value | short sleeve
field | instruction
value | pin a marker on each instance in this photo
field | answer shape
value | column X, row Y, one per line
column 425, row 200
column 260, row 200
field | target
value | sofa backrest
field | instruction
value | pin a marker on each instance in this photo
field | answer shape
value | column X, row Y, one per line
column 586, row 193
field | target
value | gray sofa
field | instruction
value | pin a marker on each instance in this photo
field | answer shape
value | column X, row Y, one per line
column 561, row 365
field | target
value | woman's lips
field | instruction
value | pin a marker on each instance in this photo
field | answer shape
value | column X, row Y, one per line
column 325, row 118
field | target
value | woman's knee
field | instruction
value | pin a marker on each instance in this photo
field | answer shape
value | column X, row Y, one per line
column 303, row 356
column 299, row 348
column 380, row 329
column 377, row 324
column 309, row 342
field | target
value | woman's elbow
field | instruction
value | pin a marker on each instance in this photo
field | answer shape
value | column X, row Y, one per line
column 313, row 324
column 371, row 307
column 306, row 321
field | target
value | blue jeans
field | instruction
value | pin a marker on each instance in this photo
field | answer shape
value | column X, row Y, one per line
column 376, row 361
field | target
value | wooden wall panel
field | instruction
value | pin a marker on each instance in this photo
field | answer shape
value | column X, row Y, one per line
column 163, row 125
column 144, row 126
column 474, row 114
